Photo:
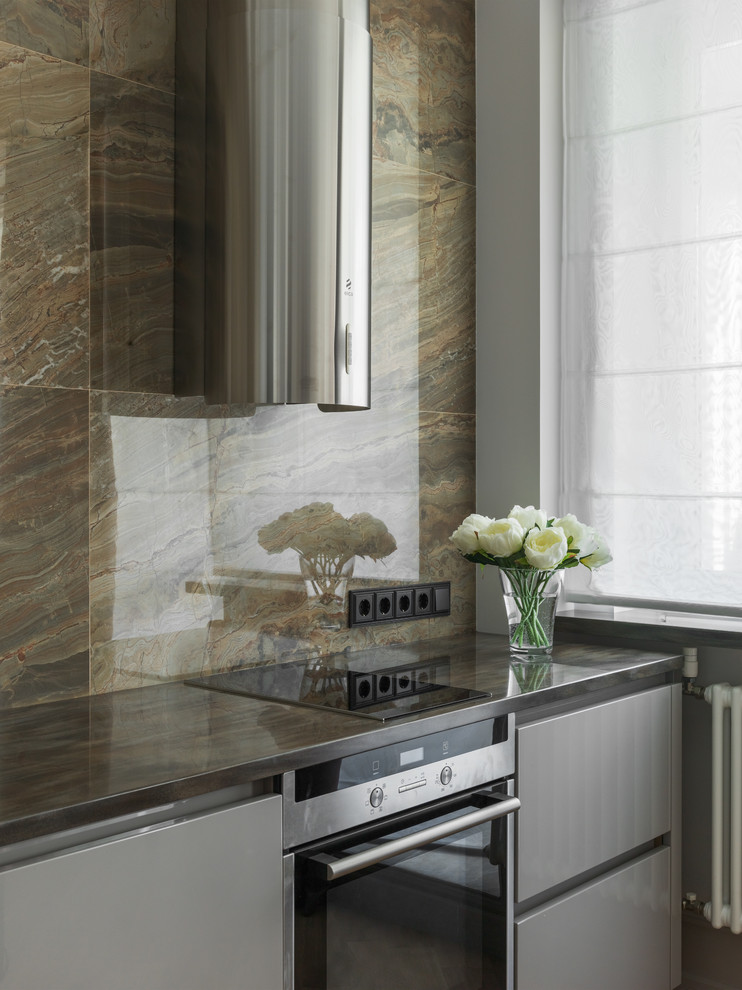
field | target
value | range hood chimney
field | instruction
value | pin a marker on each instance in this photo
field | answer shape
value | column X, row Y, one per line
column 288, row 202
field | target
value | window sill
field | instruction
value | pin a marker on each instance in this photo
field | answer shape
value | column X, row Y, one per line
column 644, row 628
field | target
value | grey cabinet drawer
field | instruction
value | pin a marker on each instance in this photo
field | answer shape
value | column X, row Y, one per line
column 187, row 905
column 612, row 933
column 593, row 784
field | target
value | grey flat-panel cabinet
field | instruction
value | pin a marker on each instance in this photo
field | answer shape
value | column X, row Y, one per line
column 610, row 934
column 183, row 905
column 597, row 844
column 593, row 784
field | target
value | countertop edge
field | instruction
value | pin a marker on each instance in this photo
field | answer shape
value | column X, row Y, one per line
column 657, row 667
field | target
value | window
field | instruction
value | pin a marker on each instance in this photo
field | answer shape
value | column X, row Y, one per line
column 652, row 295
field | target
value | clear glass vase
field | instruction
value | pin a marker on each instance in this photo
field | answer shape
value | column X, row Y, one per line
column 325, row 578
column 530, row 602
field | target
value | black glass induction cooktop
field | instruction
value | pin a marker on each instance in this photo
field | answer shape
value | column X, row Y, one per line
column 348, row 687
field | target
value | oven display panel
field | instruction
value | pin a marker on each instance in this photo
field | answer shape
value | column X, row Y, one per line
column 326, row 778
column 411, row 757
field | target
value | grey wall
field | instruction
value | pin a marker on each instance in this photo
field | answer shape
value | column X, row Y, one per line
column 518, row 264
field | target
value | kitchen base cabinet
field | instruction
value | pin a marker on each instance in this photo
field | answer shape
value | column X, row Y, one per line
column 597, row 888
column 611, row 934
column 186, row 904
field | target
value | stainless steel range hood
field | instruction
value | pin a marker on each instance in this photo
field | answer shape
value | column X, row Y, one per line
column 288, row 177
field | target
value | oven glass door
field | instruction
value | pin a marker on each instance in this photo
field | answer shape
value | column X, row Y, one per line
column 436, row 917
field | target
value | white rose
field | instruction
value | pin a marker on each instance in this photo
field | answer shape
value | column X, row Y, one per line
column 580, row 533
column 501, row 537
column 599, row 555
column 466, row 537
column 478, row 522
column 528, row 517
column 545, row 548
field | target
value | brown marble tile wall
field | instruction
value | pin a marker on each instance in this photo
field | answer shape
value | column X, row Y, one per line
column 134, row 41
column 131, row 244
column 447, row 492
column 139, row 529
column 44, row 257
column 49, row 27
column 43, row 544
column 424, row 85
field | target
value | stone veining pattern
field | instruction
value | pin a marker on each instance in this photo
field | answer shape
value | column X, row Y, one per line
column 44, row 533
column 131, row 244
column 45, row 257
column 48, row 27
column 130, row 517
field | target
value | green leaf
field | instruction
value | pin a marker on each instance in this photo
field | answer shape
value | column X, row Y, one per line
column 480, row 557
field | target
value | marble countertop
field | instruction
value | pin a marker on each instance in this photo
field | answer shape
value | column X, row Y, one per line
column 76, row 762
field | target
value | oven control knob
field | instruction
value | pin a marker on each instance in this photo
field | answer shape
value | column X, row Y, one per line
column 377, row 796
column 446, row 774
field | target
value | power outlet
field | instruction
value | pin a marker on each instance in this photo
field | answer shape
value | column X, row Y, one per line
column 403, row 603
column 424, row 677
column 418, row 601
column 423, row 601
column 384, row 603
column 370, row 687
column 404, row 683
column 361, row 689
column 362, row 608
column 385, row 687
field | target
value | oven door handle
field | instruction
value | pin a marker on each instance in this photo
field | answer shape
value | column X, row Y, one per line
column 499, row 808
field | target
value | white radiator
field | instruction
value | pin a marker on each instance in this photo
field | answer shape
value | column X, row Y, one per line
column 725, row 819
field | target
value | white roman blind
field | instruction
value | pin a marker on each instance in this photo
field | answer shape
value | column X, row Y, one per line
column 652, row 295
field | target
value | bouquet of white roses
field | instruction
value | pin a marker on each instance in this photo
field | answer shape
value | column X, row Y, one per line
column 526, row 537
column 530, row 547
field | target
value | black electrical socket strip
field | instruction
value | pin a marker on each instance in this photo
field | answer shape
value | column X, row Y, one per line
column 417, row 601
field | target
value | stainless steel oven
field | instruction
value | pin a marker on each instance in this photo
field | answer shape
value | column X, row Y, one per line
column 398, row 865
